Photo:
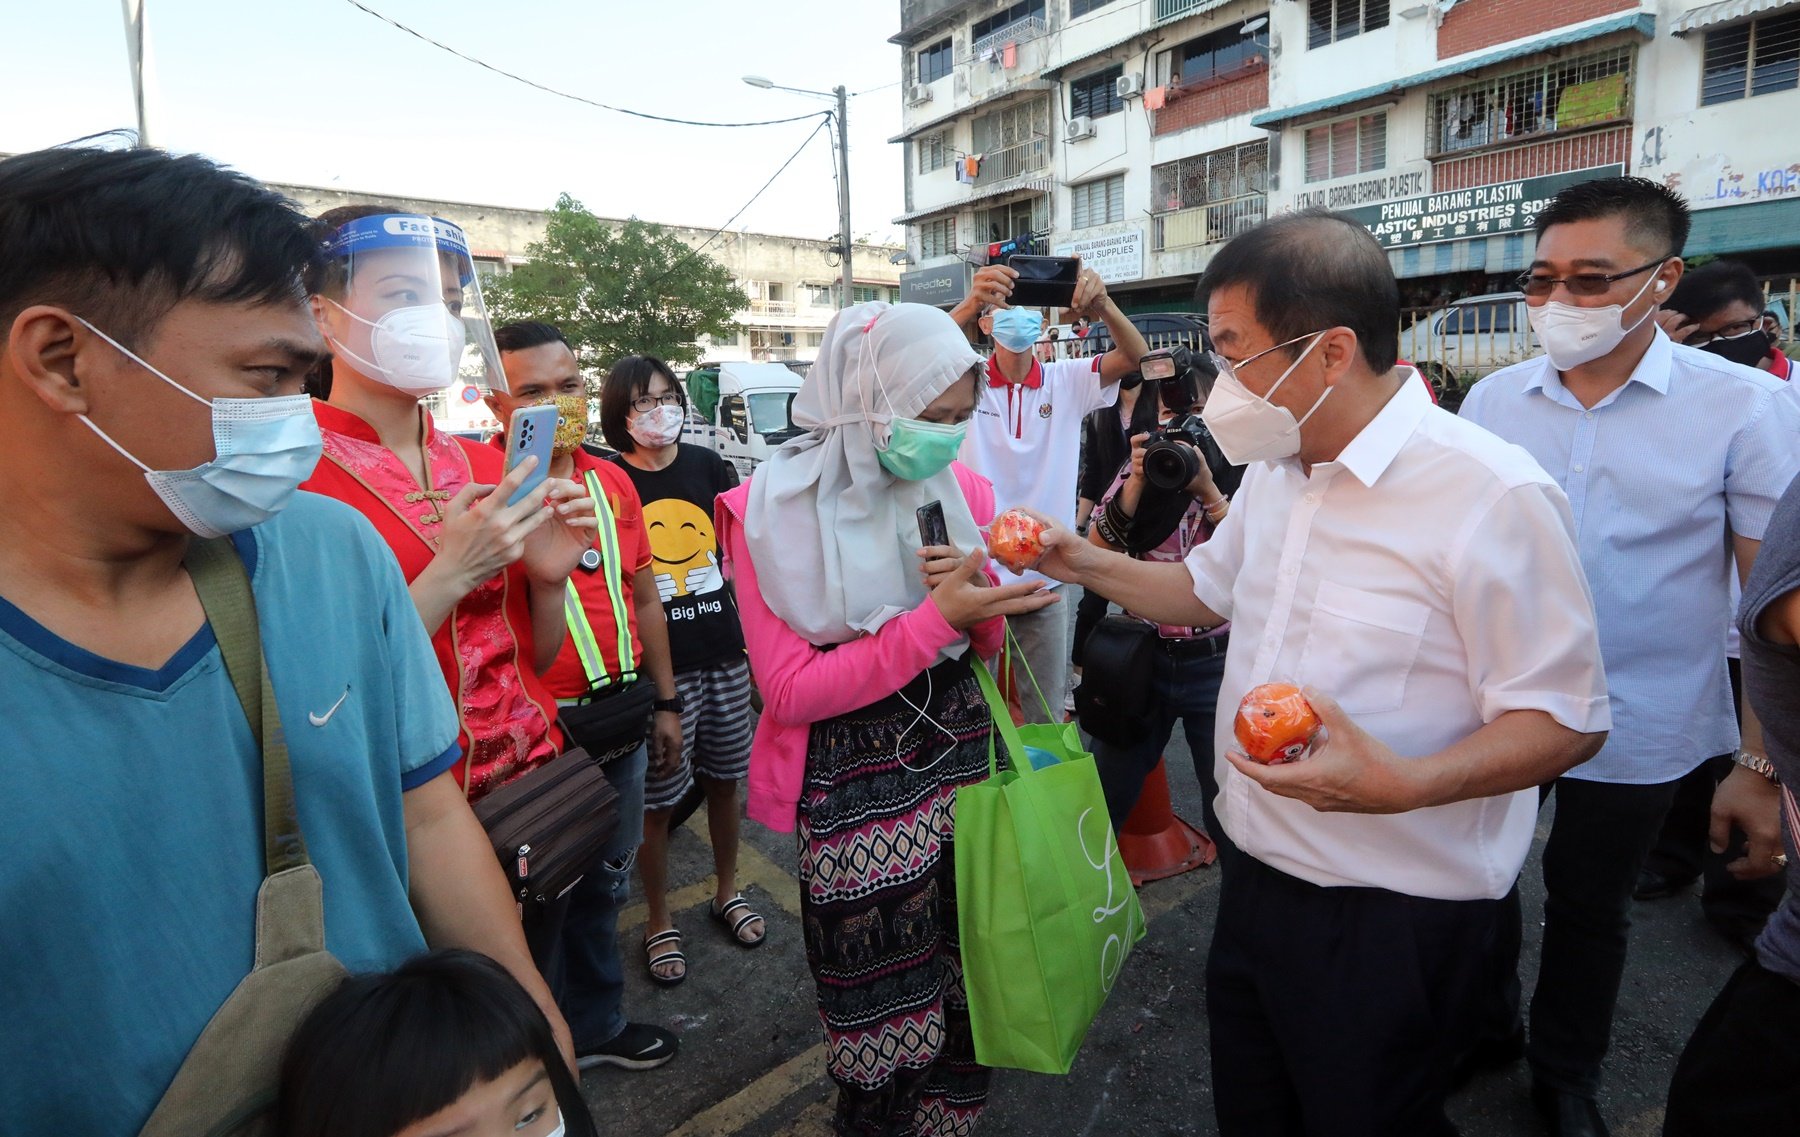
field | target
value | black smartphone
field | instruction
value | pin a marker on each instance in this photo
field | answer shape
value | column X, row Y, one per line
column 932, row 529
column 1044, row 282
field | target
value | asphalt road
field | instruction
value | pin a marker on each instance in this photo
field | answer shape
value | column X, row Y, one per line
column 751, row 1064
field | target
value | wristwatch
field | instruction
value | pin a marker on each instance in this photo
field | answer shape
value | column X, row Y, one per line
column 1757, row 763
column 675, row 705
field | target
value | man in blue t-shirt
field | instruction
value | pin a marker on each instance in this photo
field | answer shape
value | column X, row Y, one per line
column 156, row 337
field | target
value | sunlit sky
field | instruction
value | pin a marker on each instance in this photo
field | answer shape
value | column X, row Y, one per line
column 316, row 92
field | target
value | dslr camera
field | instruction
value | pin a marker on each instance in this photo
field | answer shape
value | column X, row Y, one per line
column 1173, row 455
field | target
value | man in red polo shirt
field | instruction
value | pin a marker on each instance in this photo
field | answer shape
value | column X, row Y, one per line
column 616, row 639
column 1026, row 439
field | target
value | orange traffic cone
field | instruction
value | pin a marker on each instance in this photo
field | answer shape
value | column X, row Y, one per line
column 1157, row 844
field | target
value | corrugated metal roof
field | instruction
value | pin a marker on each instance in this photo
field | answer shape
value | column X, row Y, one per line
column 1017, row 185
column 1728, row 12
column 1641, row 22
column 1028, row 85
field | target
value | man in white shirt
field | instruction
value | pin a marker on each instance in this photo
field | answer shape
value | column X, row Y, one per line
column 1026, row 439
column 1673, row 460
column 1420, row 578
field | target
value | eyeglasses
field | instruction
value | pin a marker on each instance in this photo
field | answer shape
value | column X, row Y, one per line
column 1582, row 283
column 1735, row 331
column 1227, row 368
column 644, row 404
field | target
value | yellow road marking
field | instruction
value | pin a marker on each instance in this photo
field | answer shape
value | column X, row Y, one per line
column 758, row 1098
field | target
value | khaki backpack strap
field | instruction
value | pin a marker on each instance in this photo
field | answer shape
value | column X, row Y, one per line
column 224, row 589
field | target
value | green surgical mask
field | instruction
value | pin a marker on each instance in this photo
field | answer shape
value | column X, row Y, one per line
column 917, row 449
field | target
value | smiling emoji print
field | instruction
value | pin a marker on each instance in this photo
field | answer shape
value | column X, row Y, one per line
column 683, row 547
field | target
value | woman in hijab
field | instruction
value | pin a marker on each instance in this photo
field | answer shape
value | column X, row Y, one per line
column 862, row 644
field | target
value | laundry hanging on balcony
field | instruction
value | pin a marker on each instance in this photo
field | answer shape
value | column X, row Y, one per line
column 967, row 167
column 1155, row 98
column 1009, row 56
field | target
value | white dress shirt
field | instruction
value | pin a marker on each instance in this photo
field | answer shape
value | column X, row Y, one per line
column 1428, row 581
column 1655, row 473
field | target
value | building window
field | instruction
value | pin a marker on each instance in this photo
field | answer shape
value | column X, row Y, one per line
column 934, row 152
column 1083, row 7
column 934, row 62
column 817, row 295
column 1210, row 197
column 1004, row 20
column 1590, row 91
column 1099, row 202
column 1348, row 146
column 1328, row 21
column 1012, row 142
column 815, row 339
column 1094, row 95
column 489, row 268
column 1015, row 219
column 937, row 238
column 1756, row 58
column 1210, row 56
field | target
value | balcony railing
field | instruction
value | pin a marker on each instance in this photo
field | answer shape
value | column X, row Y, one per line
column 1167, row 10
column 999, row 165
column 772, row 307
column 1210, row 223
column 1031, row 27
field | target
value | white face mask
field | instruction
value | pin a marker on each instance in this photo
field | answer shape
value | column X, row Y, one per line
column 1573, row 336
column 416, row 349
column 264, row 449
column 1248, row 427
column 561, row 1126
column 657, row 427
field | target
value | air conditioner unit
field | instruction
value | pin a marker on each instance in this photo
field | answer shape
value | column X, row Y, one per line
column 1128, row 86
column 1080, row 127
column 917, row 95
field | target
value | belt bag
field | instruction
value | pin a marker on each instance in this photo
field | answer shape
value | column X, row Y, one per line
column 1118, row 666
column 226, row 1084
column 611, row 722
column 549, row 827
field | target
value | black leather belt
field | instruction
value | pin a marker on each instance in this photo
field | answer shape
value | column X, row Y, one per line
column 1194, row 647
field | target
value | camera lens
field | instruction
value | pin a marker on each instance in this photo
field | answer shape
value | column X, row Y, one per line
column 1169, row 465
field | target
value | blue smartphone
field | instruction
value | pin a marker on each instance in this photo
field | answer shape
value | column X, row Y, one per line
column 532, row 433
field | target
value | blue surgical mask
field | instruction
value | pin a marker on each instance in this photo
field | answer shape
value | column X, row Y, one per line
column 1016, row 329
column 918, row 449
column 264, row 449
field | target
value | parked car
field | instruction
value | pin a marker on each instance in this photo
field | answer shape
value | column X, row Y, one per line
column 1160, row 329
column 742, row 410
column 1464, row 341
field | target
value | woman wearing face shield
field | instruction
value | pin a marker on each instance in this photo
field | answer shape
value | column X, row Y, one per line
column 397, row 302
column 862, row 644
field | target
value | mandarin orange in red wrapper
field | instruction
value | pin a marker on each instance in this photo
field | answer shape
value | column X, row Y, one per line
column 1275, row 724
column 1015, row 540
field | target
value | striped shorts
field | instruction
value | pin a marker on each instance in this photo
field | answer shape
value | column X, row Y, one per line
column 715, row 731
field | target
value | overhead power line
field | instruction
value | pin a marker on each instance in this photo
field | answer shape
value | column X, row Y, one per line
column 416, row 34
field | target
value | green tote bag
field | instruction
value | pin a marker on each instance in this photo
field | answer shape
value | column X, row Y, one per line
column 1046, row 910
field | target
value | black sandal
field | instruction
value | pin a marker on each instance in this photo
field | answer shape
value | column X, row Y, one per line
column 652, row 958
column 736, row 925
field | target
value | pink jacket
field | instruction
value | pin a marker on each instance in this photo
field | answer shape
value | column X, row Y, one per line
column 802, row 684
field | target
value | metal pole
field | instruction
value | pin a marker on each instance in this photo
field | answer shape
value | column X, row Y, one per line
column 135, row 47
column 843, row 126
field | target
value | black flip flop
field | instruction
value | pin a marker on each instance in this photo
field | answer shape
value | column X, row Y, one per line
column 652, row 958
column 736, row 924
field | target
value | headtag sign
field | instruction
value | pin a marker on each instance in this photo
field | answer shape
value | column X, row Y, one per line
column 1481, row 211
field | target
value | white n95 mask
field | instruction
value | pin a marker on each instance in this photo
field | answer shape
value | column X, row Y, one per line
column 416, row 349
column 1573, row 335
column 1247, row 426
column 264, row 449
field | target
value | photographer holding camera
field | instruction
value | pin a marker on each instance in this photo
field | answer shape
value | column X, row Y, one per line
column 1148, row 676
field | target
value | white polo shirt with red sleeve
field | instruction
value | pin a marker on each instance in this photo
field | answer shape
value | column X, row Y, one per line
column 1026, row 438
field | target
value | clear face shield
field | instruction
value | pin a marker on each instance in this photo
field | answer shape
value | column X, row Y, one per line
column 402, row 306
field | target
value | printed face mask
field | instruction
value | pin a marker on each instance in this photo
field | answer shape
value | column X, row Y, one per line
column 571, row 422
column 658, row 427
column 263, row 450
column 416, row 350
column 1016, row 329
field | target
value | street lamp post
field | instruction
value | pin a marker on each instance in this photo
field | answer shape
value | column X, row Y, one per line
column 846, row 243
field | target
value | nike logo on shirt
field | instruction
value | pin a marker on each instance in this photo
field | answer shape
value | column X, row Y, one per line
column 318, row 719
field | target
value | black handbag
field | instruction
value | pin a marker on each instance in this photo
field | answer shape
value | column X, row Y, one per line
column 549, row 827
column 612, row 721
column 1118, row 667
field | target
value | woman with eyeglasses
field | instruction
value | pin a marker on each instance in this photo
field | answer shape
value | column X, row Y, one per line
column 863, row 643
column 642, row 411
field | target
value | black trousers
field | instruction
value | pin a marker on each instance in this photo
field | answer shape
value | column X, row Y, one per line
column 1340, row 1011
column 1740, row 1072
column 1597, row 846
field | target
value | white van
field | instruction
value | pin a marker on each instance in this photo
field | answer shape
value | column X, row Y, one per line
column 741, row 410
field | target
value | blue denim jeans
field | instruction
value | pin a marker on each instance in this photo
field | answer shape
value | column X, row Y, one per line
column 591, row 987
column 1186, row 691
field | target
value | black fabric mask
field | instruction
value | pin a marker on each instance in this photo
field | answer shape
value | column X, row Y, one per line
column 1748, row 349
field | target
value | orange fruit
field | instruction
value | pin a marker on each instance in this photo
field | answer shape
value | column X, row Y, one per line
column 1275, row 724
column 1014, row 540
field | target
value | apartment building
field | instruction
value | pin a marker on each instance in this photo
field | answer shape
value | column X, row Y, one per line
column 1143, row 134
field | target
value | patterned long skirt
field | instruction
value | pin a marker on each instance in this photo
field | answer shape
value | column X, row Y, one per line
column 878, row 898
